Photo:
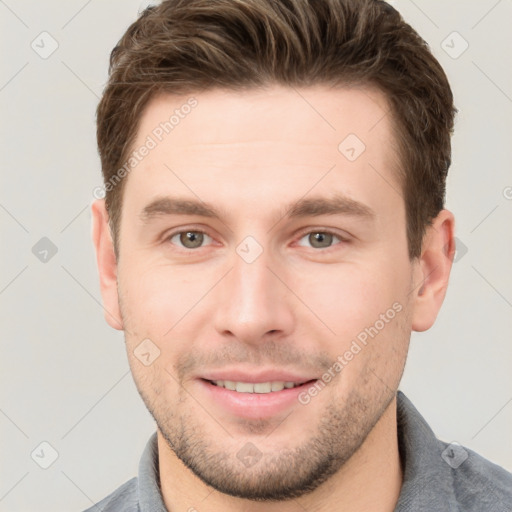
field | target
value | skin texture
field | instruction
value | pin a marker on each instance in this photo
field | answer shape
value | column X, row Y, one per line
column 298, row 306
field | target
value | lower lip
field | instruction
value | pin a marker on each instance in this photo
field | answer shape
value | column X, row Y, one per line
column 254, row 405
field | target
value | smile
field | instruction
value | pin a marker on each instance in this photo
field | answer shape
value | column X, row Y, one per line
column 257, row 387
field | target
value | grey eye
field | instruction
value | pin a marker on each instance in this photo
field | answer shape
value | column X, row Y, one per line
column 190, row 239
column 320, row 239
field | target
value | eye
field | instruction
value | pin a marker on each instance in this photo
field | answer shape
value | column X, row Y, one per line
column 320, row 239
column 190, row 239
column 194, row 239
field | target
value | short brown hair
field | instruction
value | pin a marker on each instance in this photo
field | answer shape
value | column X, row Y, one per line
column 186, row 46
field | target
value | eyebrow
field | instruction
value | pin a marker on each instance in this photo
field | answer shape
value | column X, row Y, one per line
column 337, row 204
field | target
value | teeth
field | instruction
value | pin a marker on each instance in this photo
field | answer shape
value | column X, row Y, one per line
column 244, row 387
column 228, row 384
column 259, row 387
column 262, row 387
column 277, row 386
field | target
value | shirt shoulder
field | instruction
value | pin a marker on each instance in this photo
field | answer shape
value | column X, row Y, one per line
column 479, row 484
column 445, row 477
column 123, row 499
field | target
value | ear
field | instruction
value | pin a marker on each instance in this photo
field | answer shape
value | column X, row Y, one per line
column 433, row 270
column 107, row 264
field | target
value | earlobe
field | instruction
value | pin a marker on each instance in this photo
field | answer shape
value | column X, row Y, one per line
column 107, row 264
column 433, row 270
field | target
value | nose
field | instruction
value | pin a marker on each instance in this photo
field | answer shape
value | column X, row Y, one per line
column 254, row 300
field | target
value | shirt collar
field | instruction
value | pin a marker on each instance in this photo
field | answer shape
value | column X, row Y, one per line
column 149, row 492
column 427, row 478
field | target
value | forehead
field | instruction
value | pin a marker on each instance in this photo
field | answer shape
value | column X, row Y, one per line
column 225, row 116
column 250, row 141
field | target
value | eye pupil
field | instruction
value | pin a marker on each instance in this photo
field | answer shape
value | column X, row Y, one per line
column 323, row 238
column 194, row 237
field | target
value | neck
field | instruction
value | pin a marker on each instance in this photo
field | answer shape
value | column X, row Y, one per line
column 370, row 480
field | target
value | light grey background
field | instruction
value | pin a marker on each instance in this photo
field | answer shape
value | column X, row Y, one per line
column 64, row 372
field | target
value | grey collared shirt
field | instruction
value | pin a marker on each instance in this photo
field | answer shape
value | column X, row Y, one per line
column 438, row 476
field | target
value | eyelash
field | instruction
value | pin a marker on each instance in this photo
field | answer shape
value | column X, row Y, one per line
column 301, row 235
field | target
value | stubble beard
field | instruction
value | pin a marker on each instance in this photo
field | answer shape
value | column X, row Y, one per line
column 280, row 475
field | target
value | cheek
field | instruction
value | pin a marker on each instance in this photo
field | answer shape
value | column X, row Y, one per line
column 368, row 309
column 156, row 297
column 349, row 297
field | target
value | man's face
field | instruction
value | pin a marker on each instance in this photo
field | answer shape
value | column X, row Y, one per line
column 259, row 295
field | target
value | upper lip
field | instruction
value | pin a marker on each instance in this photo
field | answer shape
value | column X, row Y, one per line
column 257, row 375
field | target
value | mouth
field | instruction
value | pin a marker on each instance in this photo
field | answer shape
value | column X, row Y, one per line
column 257, row 394
column 257, row 387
